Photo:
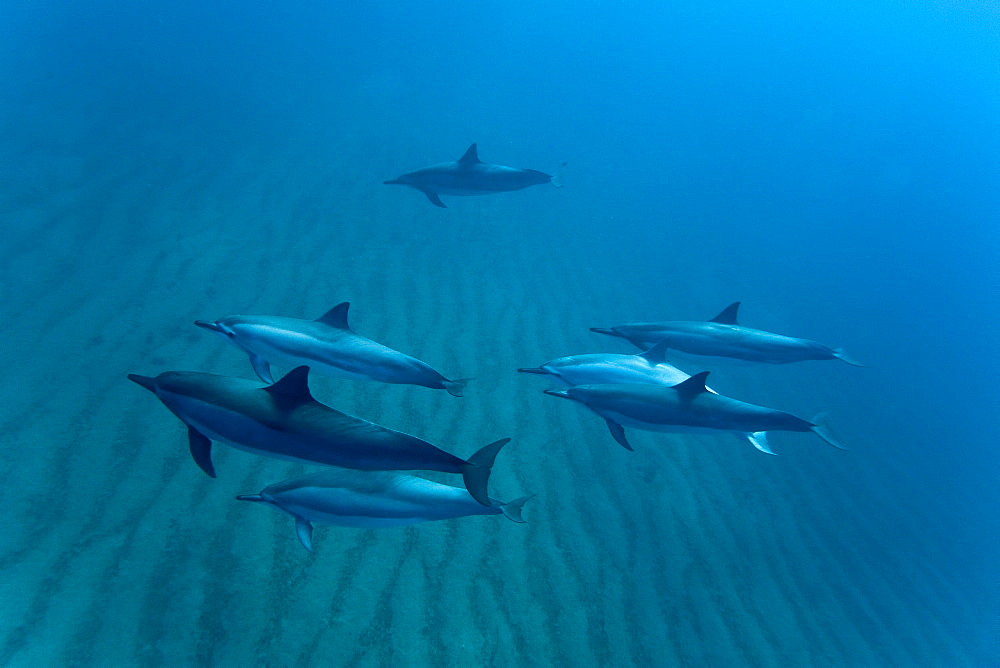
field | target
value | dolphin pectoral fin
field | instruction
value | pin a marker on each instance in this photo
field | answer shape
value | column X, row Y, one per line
column 476, row 470
column 843, row 357
column 201, row 450
column 618, row 432
column 512, row 509
column 540, row 372
column 821, row 428
column 759, row 440
column 433, row 197
column 304, row 530
column 261, row 368
column 456, row 387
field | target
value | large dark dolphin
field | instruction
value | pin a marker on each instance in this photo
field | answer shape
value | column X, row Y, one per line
column 327, row 345
column 688, row 407
column 373, row 499
column 283, row 421
column 470, row 176
column 723, row 337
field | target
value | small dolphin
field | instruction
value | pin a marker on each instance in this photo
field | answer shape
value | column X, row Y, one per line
column 723, row 337
column 327, row 345
column 687, row 407
column 470, row 176
column 373, row 499
column 283, row 421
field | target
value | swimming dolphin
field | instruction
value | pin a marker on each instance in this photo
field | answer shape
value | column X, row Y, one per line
column 470, row 176
column 687, row 407
column 327, row 345
column 648, row 368
column 283, row 421
column 373, row 499
column 723, row 337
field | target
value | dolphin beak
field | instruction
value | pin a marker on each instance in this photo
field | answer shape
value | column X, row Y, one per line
column 558, row 393
column 145, row 381
column 257, row 498
column 210, row 326
column 536, row 371
column 394, row 182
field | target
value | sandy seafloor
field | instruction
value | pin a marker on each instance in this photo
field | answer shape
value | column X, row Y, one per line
column 117, row 550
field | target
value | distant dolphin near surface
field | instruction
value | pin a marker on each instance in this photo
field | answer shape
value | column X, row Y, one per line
column 724, row 337
column 283, row 421
column 646, row 368
column 328, row 346
column 373, row 499
column 688, row 407
column 470, row 176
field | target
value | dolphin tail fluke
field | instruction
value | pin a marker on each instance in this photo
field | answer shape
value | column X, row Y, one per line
column 512, row 509
column 759, row 441
column 821, row 427
column 304, row 530
column 456, row 387
column 201, row 450
column 844, row 357
column 476, row 471
column 534, row 370
column 145, row 381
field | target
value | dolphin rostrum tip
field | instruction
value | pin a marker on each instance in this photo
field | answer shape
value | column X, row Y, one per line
column 145, row 381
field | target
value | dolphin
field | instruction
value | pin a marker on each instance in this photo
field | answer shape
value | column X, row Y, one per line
column 470, row 176
column 647, row 368
column 284, row 421
column 327, row 345
column 688, row 407
column 724, row 337
column 373, row 499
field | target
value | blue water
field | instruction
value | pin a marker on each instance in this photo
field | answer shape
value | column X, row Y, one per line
column 835, row 167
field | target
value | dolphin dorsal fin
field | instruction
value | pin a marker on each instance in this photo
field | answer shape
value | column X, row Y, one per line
column 657, row 354
column 293, row 388
column 693, row 386
column 728, row 315
column 337, row 316
column 471, row 156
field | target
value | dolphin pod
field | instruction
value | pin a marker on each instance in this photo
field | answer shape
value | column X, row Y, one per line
column 328, row 346
column 724, row 337
column 284, row 421
column 373, row 499
column 470, row 176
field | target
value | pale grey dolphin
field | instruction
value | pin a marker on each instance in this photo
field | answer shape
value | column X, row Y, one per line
column 648, row 368
column 723, row 337
column 283, row 421
column 327, row 345
column 470, row 176
column 686, row 408
column 373, row 499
